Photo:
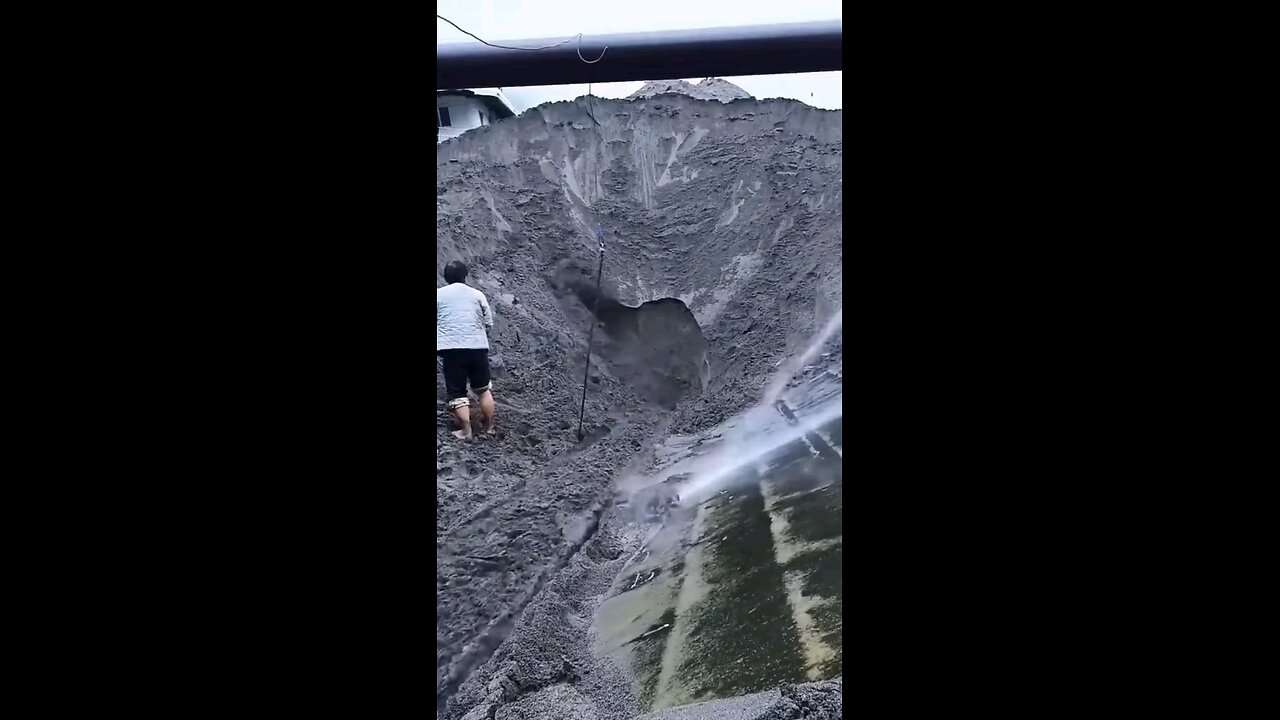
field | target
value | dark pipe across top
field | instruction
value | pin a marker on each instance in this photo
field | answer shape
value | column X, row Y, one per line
column 665, row 55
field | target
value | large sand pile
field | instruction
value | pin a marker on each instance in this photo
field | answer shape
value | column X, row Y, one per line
column 722, row 225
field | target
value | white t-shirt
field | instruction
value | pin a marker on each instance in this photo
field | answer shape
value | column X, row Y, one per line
column 462, row 313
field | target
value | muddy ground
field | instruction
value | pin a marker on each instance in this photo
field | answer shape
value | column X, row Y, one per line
column 722, row 232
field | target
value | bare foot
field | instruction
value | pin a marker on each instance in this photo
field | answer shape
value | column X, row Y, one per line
column 461, row 435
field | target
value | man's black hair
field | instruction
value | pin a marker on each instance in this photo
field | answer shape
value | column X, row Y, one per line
column 455, row 271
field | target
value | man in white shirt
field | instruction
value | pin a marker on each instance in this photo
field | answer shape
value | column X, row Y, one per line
column 462, row 314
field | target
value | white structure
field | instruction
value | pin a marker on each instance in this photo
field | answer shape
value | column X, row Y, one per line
column 458, row 111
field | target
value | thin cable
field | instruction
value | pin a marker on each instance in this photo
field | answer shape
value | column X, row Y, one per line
column 508, row 47
column 591, row 106
column 544, row 47
column 599, row 238
column 592, row 333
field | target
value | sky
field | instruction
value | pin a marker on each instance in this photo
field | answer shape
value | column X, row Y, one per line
column 498, row 20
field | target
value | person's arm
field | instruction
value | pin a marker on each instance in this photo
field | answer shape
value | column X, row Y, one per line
column 485, row 312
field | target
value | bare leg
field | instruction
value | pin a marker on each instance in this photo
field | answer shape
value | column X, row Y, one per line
column 463, row 414
column 486, row 410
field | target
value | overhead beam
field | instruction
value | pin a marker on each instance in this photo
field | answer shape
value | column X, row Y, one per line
column 665, row 55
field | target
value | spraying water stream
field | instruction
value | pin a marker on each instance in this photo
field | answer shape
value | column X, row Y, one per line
column 739, row 586
column 758, row 439
column 798, row 362
column 756, row 442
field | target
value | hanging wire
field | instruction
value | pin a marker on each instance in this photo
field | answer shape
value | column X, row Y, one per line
column 595, row 311
column 508, row 47
column 544, row 47
column 590, row 99
column 591, row 334
column 591, row 106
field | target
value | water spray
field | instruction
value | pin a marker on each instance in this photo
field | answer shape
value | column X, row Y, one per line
column 742, row 447
column 743, row 452
column 797, row 364
column 745, row 449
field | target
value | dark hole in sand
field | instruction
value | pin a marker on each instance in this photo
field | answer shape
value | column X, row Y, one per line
column 657, row 348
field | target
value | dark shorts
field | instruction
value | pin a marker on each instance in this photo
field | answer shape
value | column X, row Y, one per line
column 463, row 366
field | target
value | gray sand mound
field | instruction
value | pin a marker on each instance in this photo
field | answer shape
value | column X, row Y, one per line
column 722, row 225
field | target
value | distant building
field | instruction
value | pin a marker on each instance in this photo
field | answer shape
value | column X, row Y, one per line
column 458, row 111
